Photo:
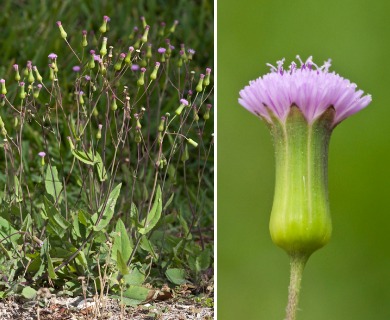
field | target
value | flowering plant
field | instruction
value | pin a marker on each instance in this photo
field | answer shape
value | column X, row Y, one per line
column 301, row 106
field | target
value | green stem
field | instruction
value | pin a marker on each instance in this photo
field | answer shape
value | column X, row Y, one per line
column 297, row 264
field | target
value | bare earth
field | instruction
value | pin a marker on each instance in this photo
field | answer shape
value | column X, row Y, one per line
column 80, row 309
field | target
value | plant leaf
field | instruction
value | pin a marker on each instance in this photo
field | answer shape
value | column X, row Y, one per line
column 101, row 170
column 29, row 293
column 86, row 158
column 108, row 209
column 154, row 215
column 122, row 242
column 52, row 183
column 176, row 276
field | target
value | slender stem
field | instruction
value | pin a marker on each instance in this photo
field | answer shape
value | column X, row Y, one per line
column 297, row 264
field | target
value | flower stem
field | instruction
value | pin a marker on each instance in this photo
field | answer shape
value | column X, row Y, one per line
column 297, row 264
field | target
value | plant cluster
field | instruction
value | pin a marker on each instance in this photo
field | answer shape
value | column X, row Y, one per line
column 107, row 166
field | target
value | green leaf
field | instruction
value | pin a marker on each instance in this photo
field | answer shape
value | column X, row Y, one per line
column 6, row 230
column 204, row 259
column 50, row 268
column 52, row 183
column 29, row 293
column 176, row 276
column 18, row 191
column 135, row 277
column 135, row 295
column 101, row 170
column 169, row 201
column 122, row 242
column 121, row 263
column 86, row 158
column 108, row 209
column 146, row 245
column 154, row 214
column 57, row 222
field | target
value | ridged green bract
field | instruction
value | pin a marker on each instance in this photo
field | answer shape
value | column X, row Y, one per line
column 300, row 219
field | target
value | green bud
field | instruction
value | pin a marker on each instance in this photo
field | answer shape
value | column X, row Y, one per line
column 84, row 42
column 37, row 91
column 38, row 75
column 144, row 23
column 199, row 87
column 192, row 142
column 153, row 75
column 144, row 38
column 62, row 31
column 149, row 51
column 3, row 88
column 128, row 56
column 173, row 28
column 103, row 27
column 118, row 64
column 141, row 79
column 183, row 103
column 99, row 133
column 300, row 220
column 31, row 78
column 206, row 115
column 103, row 49
column 162, row 124
column 22, row 93
column 114, row 106
column 17, row 75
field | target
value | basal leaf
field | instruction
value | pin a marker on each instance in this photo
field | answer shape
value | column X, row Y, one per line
column 176, row 276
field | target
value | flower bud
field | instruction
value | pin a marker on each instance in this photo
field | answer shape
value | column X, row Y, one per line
column 192, row 142
column 114, row 106
column 183, row 103
column 144, row 23
column 206, row 115
column 173, row 28
column 118, row 64
column 84, row 42
column 103, row 49
column 128, row 56
column 153, row 75
column 144, row 38
column 199, row 87
column 161, row 31
column 207, row 77
column 99, row 133
column 3, row 88
column 22, row 93
column 103, row 27
column 162, row 124
column 17, row 75
column 141, row 79
column 62, row 31
column 36, row 92
column 38, row 75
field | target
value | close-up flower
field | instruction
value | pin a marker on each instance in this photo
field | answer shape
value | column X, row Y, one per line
column 301, row 106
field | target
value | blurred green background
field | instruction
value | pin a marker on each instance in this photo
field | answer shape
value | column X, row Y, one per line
column 350, row 277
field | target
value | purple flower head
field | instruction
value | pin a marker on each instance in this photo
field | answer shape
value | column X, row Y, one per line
column 171, row 47
column 190, row 92
column 201, row 76
column 76, row 68
column 92, row 52
column 106, row 18
column 135, row 29
column 52, row 56
column 191, row 51
column 182, row 45
column 39, row 86
column 29, row 65
column 16, row 67
column 157, row 64
column 2, row 81
column 59, row 23
column 147, row 27
column 162, row 23
column 181, row 52
column 131, row 49
column 87, row 77
column 143, row 70
column 84, row 32
column 96, row 57
column 209, row 106
column 21, row 83
column 161, row 50
column 184, row 102
column 42, row 154
column 312, row 90
column 208, row 70
column 122, row 55
column 167, row 41
column 135, row 67
column 100, row 126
